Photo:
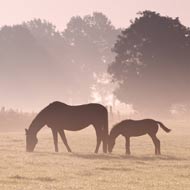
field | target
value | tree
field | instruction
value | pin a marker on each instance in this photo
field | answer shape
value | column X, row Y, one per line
column 51, row 40
column 21, row 54
column 26, row 68
column 90, row 39
column 46, row 34
column 40, row 63
column 152, row 64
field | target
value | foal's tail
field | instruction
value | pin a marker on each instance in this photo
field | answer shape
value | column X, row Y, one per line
column 163, row 127
column 105, row 133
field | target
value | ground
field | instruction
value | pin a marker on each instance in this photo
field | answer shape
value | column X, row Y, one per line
column 82, row 169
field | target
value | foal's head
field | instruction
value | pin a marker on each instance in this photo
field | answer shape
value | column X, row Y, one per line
column 111, row 140
column 111, row 144
column 31, row 141
column 114, row 133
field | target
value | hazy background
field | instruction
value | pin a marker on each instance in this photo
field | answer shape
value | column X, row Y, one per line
column 62, row 51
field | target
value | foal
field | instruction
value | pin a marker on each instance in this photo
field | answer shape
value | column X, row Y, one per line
column 132, row 128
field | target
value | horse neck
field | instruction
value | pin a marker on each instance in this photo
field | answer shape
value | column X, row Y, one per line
column 115, row 132
column 37, row 124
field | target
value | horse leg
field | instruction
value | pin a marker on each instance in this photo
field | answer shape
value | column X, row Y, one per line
column 63, row 137
column 99, row 138
column 55, row 139
column 105, row 144
column 158, row 146
column 127, row 145
column 156, row 142
column 104, row 140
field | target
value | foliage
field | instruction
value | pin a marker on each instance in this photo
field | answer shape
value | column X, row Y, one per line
column 152, row 63
column 40, row 63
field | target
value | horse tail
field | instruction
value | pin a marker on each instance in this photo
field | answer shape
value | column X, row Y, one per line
column 164, row 127
column 105, row 132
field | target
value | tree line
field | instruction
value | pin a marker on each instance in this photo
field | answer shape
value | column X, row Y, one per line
column 148, row 61
column 40, row 63
column 14, row 120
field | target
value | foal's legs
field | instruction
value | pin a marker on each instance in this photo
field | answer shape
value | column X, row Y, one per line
column 127, row 145
column 156, row 142
column 63, row 137
column 55, row 139
column 99, row 138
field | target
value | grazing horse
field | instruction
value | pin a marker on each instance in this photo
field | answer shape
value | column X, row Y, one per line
column 59, row 117
column 132, row 128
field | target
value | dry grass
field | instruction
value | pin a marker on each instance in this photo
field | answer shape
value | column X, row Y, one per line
column 83, row 169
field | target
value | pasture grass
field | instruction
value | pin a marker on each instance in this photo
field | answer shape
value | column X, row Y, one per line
column 85, row 170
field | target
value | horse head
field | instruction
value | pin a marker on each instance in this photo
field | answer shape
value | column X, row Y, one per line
column 111, row 143
column 31, row 141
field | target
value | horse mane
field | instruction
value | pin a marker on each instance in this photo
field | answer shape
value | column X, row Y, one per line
column 120, row 124
column 115, row 128
column 38, row 121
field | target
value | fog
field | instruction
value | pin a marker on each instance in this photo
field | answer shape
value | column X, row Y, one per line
column 41, row 64
column 89, row 91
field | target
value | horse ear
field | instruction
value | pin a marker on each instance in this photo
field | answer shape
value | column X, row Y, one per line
column 26, row 130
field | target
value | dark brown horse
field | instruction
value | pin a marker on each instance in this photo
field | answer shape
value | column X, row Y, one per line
column 59, row 117
column 132, row 128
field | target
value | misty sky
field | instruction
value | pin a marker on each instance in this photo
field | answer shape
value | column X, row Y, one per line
column 59, row 12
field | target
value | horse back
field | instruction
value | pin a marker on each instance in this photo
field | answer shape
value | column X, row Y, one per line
column 75, row 117
column 139, row 127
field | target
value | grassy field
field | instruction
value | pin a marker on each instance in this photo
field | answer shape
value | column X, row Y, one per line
column 83, row 169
